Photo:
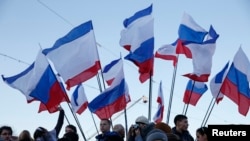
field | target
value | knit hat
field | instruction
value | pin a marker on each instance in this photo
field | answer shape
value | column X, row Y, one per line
column 142, row 119
column 156, row 134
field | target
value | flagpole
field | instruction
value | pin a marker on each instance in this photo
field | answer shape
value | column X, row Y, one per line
column 126, row 122
column 77, row 121
column 204, row 122
column 186, row 105
column 150, row 97
column 172, row 91
column 209, row 110
column 66, row 97
column 65, row 20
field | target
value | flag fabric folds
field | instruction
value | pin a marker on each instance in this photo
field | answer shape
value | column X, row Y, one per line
column 138, row 39
column 113, row 99
column 167, row 52
column 236, row 83
column 111, row 70
column 38, row 82
column 79, row 100
column 193, row 92
column 216, row 82
column 75, row 55
column 160, row 111
column 189, row 30
column 202, row 55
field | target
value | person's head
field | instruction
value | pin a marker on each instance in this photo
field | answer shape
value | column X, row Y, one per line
column 40, row 133
column 181, row 122
column 202, row 134
column 25, row 136
column 71, row 136
column 142, row 121
column 156, row 135
column 6, row 133
column 105, row 125
column 164, row 127
column 70, row 128
column 119, row 129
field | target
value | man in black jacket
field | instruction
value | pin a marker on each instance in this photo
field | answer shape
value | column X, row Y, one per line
column 181, row 128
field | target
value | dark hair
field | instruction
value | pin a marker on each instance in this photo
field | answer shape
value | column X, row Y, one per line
column 202, row 130
column 39, row 132
column 71, row 136
column 105, row 119
column 72, row 127
column 6, row 128
column 179, row 117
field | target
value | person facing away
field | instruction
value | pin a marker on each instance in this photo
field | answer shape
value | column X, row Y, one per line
column 6, row 133
column 120, row 130
column 156, row 135
column 69, row 136
column 139, row 131
column 202, row 134
column 105, row 126
column 181, row 128
column 167, row 130
column 42, row 134
column 25, row 136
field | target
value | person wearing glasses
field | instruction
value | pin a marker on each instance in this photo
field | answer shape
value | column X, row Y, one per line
column 202, row 134
column 6, row 133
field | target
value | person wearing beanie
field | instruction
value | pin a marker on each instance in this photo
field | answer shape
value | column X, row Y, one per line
column 140, row 129
column 156, row 135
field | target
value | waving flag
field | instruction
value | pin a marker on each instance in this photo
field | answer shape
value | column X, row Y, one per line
column 113, row 99
column 215, row 83
column 236, row 83
column 189, row 30
column 111, row 70
column 38, row 82
column 194, row 91
column 202, row 55
column 79, row 100
column 75, row 55
column 160, row 99
column 167, row 52
column 138, row 38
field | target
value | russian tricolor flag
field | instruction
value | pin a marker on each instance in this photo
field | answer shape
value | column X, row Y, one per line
column 160, row 111
column 236, row 83
column 216, row 82
column 114, row 98
column 38, row 82
column 194, row 91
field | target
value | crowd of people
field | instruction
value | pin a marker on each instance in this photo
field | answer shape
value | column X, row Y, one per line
column 141, row 130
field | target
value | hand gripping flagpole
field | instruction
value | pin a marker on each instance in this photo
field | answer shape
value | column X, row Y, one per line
column 66, row 96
